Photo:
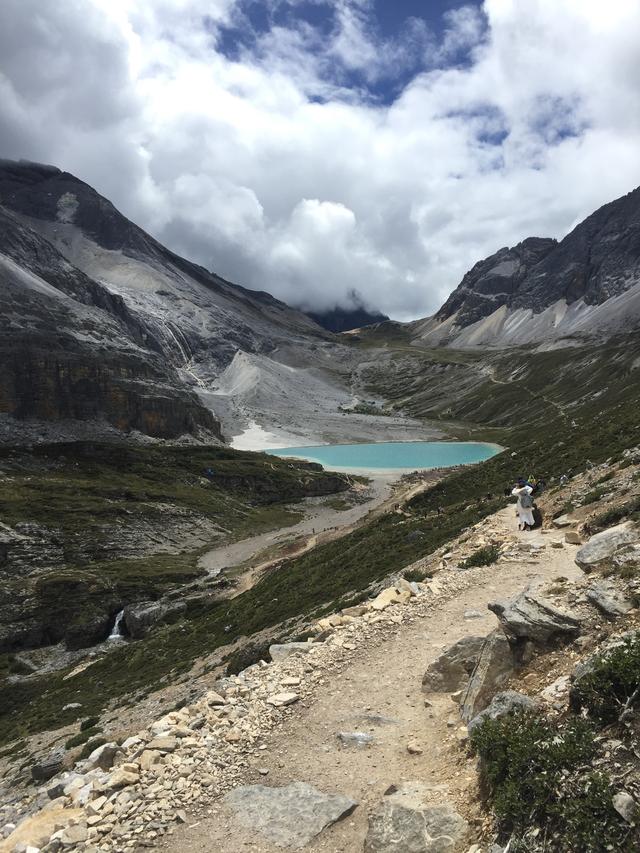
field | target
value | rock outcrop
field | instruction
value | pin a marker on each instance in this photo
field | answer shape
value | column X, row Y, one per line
column 603, row 546
column 529, row 617
column 451, row 671
column 495, row 665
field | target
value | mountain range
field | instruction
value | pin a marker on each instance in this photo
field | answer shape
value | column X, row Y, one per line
column 106, row 330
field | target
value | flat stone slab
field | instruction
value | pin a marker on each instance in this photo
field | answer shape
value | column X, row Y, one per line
column 406, row 823
column 290, row 816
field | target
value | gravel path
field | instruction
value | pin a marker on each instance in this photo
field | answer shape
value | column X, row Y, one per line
column 378, row 674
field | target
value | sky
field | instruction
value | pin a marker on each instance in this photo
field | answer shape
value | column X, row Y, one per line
column 332, row 150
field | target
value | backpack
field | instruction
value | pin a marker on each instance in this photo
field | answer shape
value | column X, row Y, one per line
column 526, row 502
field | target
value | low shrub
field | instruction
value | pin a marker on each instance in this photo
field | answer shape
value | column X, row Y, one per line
column 89, row 723
column 82, row 737
column 628, row 510
column 482, row 557
column 612, row 683
column 416, row 575
column 593, row 496
column 537, row 774
column 90, row 745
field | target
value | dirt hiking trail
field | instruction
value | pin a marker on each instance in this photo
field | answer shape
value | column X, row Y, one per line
column 370, row 681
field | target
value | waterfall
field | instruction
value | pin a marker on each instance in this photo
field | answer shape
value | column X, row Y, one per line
column 116, row 632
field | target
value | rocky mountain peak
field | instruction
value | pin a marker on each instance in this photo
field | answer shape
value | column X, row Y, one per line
column 597, row 261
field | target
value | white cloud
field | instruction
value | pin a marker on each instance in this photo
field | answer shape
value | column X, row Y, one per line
column 280, row 171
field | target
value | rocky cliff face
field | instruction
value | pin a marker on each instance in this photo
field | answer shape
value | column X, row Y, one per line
column 102, row 323
column 589, row 282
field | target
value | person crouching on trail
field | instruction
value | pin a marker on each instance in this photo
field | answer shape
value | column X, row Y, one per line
column 522, row 490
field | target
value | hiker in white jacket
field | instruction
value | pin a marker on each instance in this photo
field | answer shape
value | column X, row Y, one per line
column 522, row 491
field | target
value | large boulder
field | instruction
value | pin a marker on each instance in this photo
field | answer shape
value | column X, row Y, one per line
column 502, row 704
column 290, row 816
column 603, row 546
column 529, row 617
column 450, row 672
column 495, row 665
column 48, row 767
column 608, row 600
column 405, row 822
column 138, row 618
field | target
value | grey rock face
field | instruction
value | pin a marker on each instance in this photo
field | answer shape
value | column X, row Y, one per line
column 48, row 767
column 608, row 600
column 451, row 671
column 604, row 545
column 503, row 703
column 281, row 651
column 138, row 618
column 405, row 823
column 88, row 338
column 290, row 816
column 529, row 617
column 494, row 281
column 495, row 665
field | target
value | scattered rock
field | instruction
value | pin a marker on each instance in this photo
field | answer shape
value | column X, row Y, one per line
column 414, row 749
column 290, row 816
column 104, row 756
column 608, row 600
column 557, row 690
column 280, row 700
column 503, row 703
column 37, row 830
column 495, row 665
column 451, row 671
column 626, row 807
column 572, row 537
column 603, row 545
column 529, row 617
column 472, row 614
column 406, row 823
column 358, row 739
column 391, row 595
column 281, row 651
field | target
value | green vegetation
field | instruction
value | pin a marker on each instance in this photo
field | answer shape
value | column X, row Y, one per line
column 365, row 409
column 612, row 685
column 626, row 511
column 83, row 736
column 538, row 775
column 482, row 557
column 593, row 496
column 416, row 575
column 327, row 577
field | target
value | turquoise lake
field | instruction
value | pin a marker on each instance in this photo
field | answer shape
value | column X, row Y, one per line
column 392, row 455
